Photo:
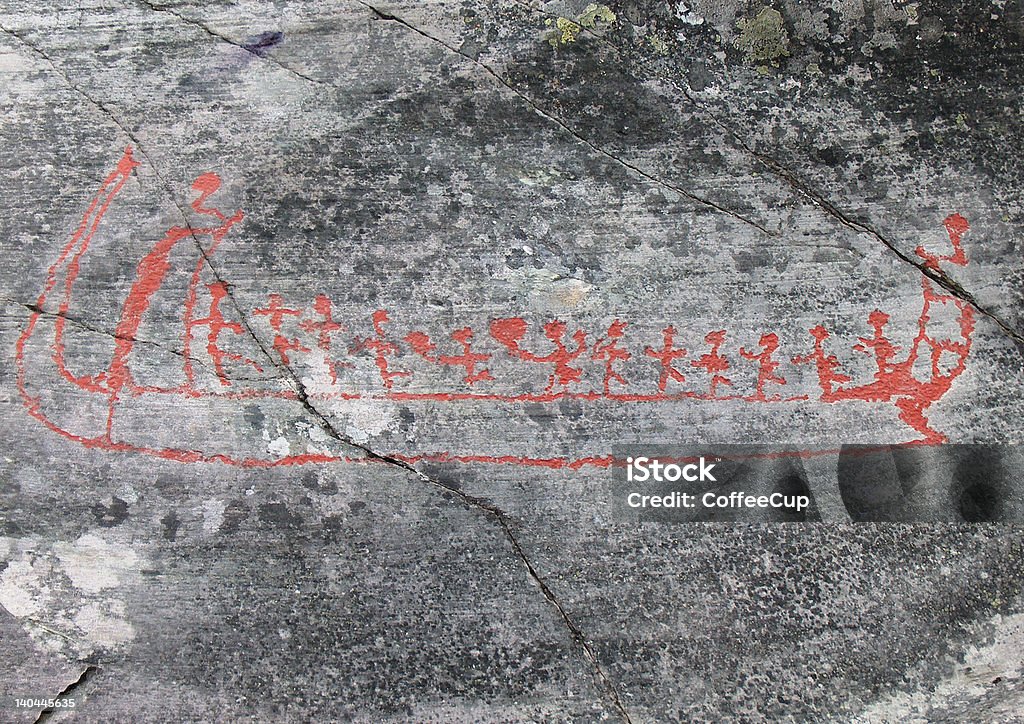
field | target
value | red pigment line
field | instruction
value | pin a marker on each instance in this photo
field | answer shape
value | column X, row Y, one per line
column 666, row 356
column 323, row 331
column 381, row 349
column 767, row 365
column 250, row 394
column 826, row 365
column 422, row 345
column 150, row 274
column 511, row 331
column 956, row 226
column 894, row 380
column 111, row 410
column 216, row 324
column 124, row 168
column 190, row 298
column 610, row 461
column 849, row 450
column 179, row 455
column 104, row 442
column 552, row 463
column 188, row 313
column 82, row 238
column 607, row 349
column 74, row 267
column 519, row 460
column 713, row 363
column 594, row 396
column 253, row 393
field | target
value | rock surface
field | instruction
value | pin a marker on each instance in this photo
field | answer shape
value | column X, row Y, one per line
column 324, row 321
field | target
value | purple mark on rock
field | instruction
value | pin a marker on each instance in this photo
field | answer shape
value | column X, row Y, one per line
column 261, row 43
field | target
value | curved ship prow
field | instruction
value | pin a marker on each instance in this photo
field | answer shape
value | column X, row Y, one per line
column 504, row 368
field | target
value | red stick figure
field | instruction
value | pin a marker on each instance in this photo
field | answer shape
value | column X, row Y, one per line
column 468, row 360
column 276, row 313
column 382, row 349
column 323, row 330
column 766, row 365
column 607, row 349
column 713, row 362
column 884, row 351
column 666, row 356
column 895, row 381
column 149, row 278
column 826, row 364
column 510, row 332
column 956, row 227
column 206, row 184
column 217, row 325
column 913, row 397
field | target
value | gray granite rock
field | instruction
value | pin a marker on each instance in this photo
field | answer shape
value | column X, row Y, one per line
column 323, row 322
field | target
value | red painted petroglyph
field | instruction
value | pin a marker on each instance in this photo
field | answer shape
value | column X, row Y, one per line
column 825, row 364
column 561, row 356
column 713, row 362
column 668, row 354
column 217, row 324
column 323, row 330
column 421, row 345
column 276, row 312
column 382, row 350
column 607, row 349
column 510, row 333
column 766, row 366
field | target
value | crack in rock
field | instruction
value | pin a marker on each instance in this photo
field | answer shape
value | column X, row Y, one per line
column 87, row 673
column 492, row 511
column 167, row 189
column 944, row 280
column 231, row 41
column 537, row 108
column 556, row 120
column 499, row 516
column 71, row 84
column 36, row 309
column 503, row 520
column 784, row 173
